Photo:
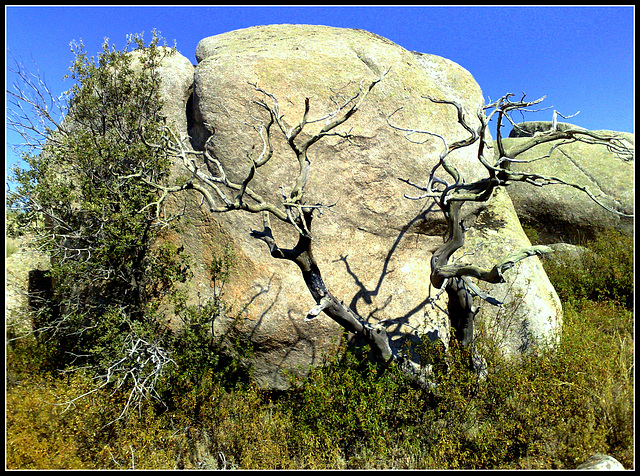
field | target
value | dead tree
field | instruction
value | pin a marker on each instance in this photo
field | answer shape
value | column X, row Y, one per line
column 209, row 178
column 447, row 188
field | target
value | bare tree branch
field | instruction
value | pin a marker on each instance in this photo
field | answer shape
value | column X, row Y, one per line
column 33, row 111
column 452, row 192
column 215, row 186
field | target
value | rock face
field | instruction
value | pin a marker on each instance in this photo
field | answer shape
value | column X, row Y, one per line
column 528, row 129
column 18, row 267
column 176, row 86
column 602, row 462
column 374, row 245
column 531, row 311
column 560, row 213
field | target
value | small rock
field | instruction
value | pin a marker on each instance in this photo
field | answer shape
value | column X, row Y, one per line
column 602, row 462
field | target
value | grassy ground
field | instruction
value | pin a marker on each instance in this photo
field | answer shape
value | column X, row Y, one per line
column 551, row 410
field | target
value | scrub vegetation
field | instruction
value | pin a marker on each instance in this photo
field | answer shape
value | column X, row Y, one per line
column 547, row 410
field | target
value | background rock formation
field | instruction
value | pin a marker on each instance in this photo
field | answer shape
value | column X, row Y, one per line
column 562, row 214
column 21, row 261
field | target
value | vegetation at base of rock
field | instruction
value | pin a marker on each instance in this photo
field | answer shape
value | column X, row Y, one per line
column 605, row 274
column 79, row 201
column 552, row 409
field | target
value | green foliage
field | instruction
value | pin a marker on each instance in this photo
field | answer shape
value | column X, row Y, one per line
column 604, row 274
column 101, row 223
column 344, row 411
column 105, row 346
column 532, row 235
column 201, row 362
column 196, row 347
column 553, row 409
column 45, row 432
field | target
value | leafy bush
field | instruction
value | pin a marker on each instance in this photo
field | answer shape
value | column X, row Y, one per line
column 111, row 268
column 46, row 431
column 551, row 410
column 604, row 274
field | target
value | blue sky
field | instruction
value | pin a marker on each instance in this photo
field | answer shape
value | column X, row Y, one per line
column 581, row 58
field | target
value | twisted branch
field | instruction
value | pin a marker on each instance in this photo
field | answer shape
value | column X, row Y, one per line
column 451, row 193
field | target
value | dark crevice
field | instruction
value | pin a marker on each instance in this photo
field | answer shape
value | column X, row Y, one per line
column 198, row 133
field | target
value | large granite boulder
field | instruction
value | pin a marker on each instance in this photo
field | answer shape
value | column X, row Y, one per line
column 561, row 213
column 374, row 245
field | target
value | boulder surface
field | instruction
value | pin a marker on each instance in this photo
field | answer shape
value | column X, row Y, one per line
column 601, row 462
column 373, row 245
column 560, row 213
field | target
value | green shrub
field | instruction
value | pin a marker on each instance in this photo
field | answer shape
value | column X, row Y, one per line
column 604, row 274
column 344, row 411
column 111, row 264
column 50, row 427
column 551, row 409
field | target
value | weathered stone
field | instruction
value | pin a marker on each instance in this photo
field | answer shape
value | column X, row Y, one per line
column 601, row 462
column 561, row 213
column 176, row 72
column 18, row 267
column 374, row 245
column 566, row 252
column 529, row 128
column 531, row 311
